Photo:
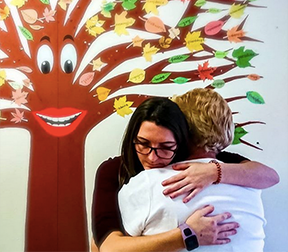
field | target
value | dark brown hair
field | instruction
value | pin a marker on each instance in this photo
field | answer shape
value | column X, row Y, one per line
column 163, row 112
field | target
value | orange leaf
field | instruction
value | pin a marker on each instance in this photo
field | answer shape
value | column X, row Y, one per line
column 4, row 13
column 254, row 77
column 155, row 25
column 206, row 72
column 102, row 93
column 165, row 42
column 234, row 35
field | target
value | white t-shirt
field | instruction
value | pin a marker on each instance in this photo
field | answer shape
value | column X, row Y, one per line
column 146, row 211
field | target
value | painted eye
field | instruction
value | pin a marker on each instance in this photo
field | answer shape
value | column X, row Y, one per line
column 68, row 58
column 45, row 59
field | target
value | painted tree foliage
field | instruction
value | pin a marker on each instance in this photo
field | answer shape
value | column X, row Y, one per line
column 67, row 65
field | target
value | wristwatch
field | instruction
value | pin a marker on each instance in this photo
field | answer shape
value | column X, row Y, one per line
column 189, row 237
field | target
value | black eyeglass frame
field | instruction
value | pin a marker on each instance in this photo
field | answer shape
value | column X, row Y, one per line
column 155, row 150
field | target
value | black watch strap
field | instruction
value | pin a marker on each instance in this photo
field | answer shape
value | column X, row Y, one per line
column 189, row 237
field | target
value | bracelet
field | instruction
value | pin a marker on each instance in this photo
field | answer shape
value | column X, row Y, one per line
column 219, row 171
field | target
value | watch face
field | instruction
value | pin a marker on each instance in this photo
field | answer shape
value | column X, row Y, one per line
column 191, row 242
column 187, row 231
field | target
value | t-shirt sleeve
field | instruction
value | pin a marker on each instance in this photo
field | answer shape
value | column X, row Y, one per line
column 228, row 157
column 105, row 210
column 134, row 204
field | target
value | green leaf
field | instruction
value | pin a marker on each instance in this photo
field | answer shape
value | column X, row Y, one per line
column 178, row 58
column 243, row 57
column 187, row 21
column 45, row 1
column 129, row 4
column 160, row 77
column 200, row 3
column 108, row 7
column 214, row 10
column 255, row 97
column 220, row 54
column 181, row 80
column 238, row 133
column 26, row 33
column 218, row 83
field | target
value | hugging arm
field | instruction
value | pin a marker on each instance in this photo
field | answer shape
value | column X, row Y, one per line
column 206, row 228
column 194, row 177
column 108, row 232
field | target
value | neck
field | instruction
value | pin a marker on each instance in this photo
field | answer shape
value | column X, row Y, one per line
column 201, row 153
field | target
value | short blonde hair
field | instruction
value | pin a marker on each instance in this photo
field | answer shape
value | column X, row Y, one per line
column 209, row 118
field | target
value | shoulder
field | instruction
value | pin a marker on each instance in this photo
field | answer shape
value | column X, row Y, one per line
column 109, row 168
column 228, row 157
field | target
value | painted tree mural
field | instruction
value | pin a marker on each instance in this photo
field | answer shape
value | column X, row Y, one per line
column 67, row 65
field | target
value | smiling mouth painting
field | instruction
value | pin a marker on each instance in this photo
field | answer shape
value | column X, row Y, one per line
column 59, row 122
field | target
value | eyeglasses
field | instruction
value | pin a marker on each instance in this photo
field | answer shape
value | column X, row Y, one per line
column 165, row 153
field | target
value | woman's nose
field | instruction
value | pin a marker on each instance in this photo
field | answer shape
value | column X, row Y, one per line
column 152, row 155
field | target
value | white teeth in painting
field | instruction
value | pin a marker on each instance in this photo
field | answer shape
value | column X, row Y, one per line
column 59, row 121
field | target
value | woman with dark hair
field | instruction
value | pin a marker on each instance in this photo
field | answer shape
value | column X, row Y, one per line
column 163, row 113
column 158, row 130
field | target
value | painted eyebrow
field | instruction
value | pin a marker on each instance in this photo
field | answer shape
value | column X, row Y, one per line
column 45, row 38
column 68, row 37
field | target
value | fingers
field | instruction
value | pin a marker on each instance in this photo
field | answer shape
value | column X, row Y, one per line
column 191, row 195
column 222, row 241
column 174, row 189
column 180, row 166
column 226, row 234
column 173, row 179
column 205, row 210
column 227, row 226
column 221, row 217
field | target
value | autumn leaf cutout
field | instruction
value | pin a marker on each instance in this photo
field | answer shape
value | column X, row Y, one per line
column 122, row 106
column 149, row 51
column 206, row 72
column 121, row 23
column 194, row 41
column 18, row 116
column 4, row 13
column 94, row 26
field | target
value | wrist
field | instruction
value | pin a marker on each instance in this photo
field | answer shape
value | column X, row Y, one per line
column 218, row 170
column 189, row 237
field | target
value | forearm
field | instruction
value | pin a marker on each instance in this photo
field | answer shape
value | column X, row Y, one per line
column 250, row 174
column 169, row 241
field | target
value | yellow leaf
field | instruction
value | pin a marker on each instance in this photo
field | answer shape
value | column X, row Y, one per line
column 63, row 3
column 122, row 106
column 18, row 3
column 137, row 75
column 149, row 51
column 151, row 6
column 121, row 23
column 194, row 41
column 102, row 93
column 2, row 77
column 36, row 27
column 94, row 26
column 237, row 10
column 98, row 64
column 4, row 13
